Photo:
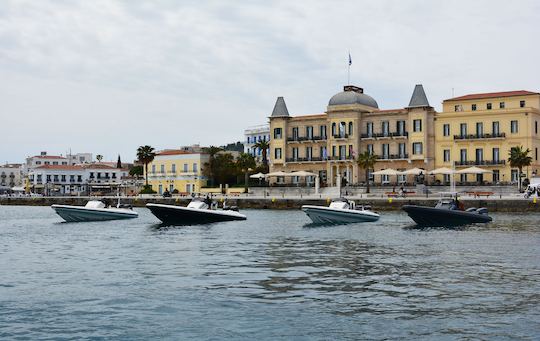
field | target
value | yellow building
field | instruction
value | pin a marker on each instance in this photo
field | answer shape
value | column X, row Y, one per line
column 177, row 169
column 479, row 130
column 327, row 144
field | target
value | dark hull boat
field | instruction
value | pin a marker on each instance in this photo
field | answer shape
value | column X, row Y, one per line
column 442, row 217
column 178, row 215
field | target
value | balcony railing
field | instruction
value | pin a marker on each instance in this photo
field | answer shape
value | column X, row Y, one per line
column 479, row 136
column 384, row 135
column 480, row 163
column 341, row 158
column 305, row 138
column 305, row 159
column 341, row 136
column 393, row 157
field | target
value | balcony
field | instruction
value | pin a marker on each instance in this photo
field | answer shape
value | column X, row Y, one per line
column 305, row 159
column 341, row 136
column 397, row 134
column 480, row 136
column 480, row 163
column 306, row 138
column 341, row 158
column 391, row 157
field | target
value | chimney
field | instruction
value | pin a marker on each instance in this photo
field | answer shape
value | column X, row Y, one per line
column 43, row 153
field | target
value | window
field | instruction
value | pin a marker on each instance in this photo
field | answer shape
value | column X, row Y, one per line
column 446, row 155
column 402, row 150
column 496, row 176
column 309, row 132
column 55, row 163
column 446, row 129
column 79, row 178
column 322, row 131
column 47, row 163
column 333, row 151
column 277, row 153
column 113, row 175
column 463, row 155
column 153, row 168
column 350, row 128
column 501, row 105
column 495, row 128
column 385, row 128
column 160, row 189
column 295, row 153
column 463, row 129
column 457, row 107
column 417, row 125
column 479, row 129
column 351, row 151
column 385, row 150
column 473, row 107
column 369, row 127
column 342, row 129
column 463, row 178
column 55, row 178
column 295, row 133
column 277, row 133
column 514, row 126
column 323, row 153
column 488, row 106
column 162, row 168
column 63, row 178
column 522, row 104
column 72, row 178
column 479, row 155
column 195, row 167
column 417, row 148
column 38, row 162
column 370, row 149
column 400, row 125
column 185, row 167
column 342, row 152
column 334, row 129
column 173, row 168
column 495, row 154
column 309, row 152
column 514, row 175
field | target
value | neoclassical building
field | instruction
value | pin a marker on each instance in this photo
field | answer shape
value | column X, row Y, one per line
column 327, row 144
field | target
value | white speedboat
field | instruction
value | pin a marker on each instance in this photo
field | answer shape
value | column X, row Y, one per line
column 196, row 212
column 340, row 211
column 94, row 210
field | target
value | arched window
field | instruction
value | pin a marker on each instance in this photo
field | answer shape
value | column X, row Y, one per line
column 342, row 127
column 334, row 129
column 350, row 128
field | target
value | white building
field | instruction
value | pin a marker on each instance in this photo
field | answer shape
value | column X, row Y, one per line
column 252, row 136
column 56, row 160
column 10, row 176
column 64, row 179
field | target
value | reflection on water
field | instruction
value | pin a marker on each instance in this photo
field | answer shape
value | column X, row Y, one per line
column 268, row 276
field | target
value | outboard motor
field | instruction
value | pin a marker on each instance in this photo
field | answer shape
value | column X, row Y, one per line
column 471, row 209
column 482, row 210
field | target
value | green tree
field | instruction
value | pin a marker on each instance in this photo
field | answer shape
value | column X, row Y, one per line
column 245, row 162
column 145, row 155
column 519, row 158
column 209, row 169
column 99, row 157
column 366, row 161
column 224, row 168
column 263, row 146
column 136, row 170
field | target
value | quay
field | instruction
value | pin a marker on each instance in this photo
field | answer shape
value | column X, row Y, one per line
column 380, row 203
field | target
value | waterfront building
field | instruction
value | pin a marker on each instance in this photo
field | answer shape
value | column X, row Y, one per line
column 177, row 169
column 327, row 144
column 253, row 135
column 479, row 130
column 10, row 176
column 64, row 179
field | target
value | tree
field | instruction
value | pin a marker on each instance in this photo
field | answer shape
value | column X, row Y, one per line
column 209, row 169
column 145, row 155
column 366, row 161
column 263, row 145
column 136, row 170
column 245, row 162
column 119, row 162
column 519, row 158
column 99, row 157
column 224, row 168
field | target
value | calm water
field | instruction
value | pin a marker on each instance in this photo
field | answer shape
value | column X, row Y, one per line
column 269, row 277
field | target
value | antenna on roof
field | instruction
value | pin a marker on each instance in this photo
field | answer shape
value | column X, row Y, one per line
column 349, row 69
column 452, row 92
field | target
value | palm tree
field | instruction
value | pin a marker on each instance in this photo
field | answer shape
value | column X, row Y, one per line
column 263, row 145
column 244, row 162
column 209, row 169
column 367, row 161
column 145, row 155
column 99, row 157
column 519, row 158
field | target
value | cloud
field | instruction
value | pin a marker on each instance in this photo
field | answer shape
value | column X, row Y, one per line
column 171, row 73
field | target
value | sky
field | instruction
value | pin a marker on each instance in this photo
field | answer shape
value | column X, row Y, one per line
column 107, row 76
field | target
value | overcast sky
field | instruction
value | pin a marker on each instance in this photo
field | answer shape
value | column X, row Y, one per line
column 108, row 76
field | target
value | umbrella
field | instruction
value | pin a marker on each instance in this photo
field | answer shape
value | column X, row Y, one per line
column 303, row 174
column 280, row 173
column 413, row 171
column 442, row 170
column 387, row 171
column 257, row 176
column 473, row 170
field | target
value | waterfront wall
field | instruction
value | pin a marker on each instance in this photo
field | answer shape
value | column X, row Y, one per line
column 380, row 204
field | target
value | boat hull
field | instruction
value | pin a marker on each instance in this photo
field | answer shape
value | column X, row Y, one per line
column 436, row 217
column 82, row 214
column 325, row 215
column 178, row 215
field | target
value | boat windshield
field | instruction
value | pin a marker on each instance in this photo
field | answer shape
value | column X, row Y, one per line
column 340, row 204
column 95, row 204
column 198, row 204
column 449, row 204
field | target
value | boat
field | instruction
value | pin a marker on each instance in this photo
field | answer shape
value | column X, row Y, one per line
column 198, row 211
column 448, row 212
column 340, row 211
column 94, row 210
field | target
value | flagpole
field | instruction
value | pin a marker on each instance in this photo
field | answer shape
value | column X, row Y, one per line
column 349, row 70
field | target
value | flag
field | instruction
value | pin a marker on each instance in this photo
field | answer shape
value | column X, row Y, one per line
column 350, row 59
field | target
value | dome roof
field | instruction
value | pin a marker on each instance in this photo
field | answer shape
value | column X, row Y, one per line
column 353, row 96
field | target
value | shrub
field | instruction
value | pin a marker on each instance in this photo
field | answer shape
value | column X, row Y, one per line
column 147, row 189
